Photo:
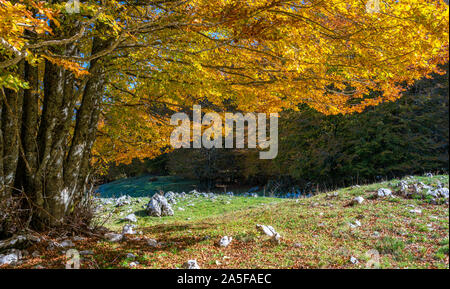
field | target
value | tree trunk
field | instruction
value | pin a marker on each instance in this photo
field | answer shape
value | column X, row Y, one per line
column 46, row 154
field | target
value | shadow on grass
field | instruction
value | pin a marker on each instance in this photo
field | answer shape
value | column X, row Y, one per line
column 165, row 228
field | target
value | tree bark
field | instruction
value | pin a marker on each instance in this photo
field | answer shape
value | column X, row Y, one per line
column 11, row 120
column 46, row 154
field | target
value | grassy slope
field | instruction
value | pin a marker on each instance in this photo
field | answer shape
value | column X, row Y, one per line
column 320, row 224
column 203, row 208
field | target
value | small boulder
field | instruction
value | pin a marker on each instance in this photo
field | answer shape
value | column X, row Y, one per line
column 159, row 206
column 443, row 192
column 152, row 242
column 225, row 241
column 355, row 224
column 384, row 193
column 191, row 264
column 171, row 197
column 114, row 237
column 358, row 200
column 67, row 244
column 298, row 245
column 375, row 234
column 123, row 200
column 403, row 186
column 86, row 252
column 131, row 218
column 416, row 211
column 9, row 259
column 269, row 231
column 128, row 230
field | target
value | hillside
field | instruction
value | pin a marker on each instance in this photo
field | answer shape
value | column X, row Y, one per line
column 329, row 230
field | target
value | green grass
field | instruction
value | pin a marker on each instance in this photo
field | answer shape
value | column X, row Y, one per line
column 202, row 208
column 389, row 245
column 321, row 224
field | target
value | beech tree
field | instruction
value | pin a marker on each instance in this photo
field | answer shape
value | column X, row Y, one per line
column 81, row 88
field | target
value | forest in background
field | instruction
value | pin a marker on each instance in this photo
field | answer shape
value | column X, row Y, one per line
column 394, row 139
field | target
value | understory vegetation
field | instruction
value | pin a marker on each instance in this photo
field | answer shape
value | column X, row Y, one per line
column 320, row 152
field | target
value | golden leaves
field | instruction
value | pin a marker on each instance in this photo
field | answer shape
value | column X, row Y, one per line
column 76, row 68
column 250, row 55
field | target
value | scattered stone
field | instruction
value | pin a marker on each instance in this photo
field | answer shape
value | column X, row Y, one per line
column 152, row 242
column 171, row 197
column 269, row 231
column 384, row 193
column 159, row 206
column 15, row 242
column 131, row 218
column 86, row 252
column 9, row 259
column 67, row 244
column 123, row 200
column 114, row 237
column 35, row 254
column 375, row 234
column 128, row 230
column 131, row 256
column 298, row 245
column 355, row 224
column 358, row 200
column 225, row 241
column 53, row 245
column 443, row 192
column 133, row 264
column 191, row 264
column 416, row 211
column 403, row 186
column 353, row 260
column 333, row 195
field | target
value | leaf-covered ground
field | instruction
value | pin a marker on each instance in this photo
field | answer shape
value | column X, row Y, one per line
column 318, row 232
